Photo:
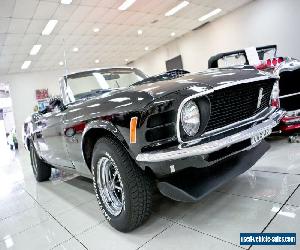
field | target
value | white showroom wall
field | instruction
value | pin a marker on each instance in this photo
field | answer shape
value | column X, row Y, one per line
column 258, row 23
column 22, row 91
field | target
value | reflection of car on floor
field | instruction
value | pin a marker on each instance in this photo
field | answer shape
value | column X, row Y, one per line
column 130, row 133
column 288, row 69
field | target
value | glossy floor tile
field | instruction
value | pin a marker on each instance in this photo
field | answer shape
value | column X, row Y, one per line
column 225, row 216
column 63, row 213
column 283, row 157
column 186, row 238
column 106, row 237
column 276, row 187
column 287, row 220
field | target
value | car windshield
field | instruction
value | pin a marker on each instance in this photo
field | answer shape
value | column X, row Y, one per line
column 90, row 83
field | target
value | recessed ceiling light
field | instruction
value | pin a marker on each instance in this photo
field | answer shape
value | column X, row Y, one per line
column 61, row 63
column 49, row 27
column 25, row 65
column 146, row 48
column 126, row 4
column 96, row 30
column 140, row 32
column 210, row 14
column 177, row 8
column 126, row 60
column 35, row 49
column 97, row 61
column 66, row 1
column 173, row 34
column 75, row 49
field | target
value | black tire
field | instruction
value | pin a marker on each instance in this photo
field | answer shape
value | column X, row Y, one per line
column 41, row 170
column 137, row 186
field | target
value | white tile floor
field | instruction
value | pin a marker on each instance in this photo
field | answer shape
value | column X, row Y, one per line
column 63, row 213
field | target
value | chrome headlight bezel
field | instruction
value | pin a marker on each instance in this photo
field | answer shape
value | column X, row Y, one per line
column 190, row 118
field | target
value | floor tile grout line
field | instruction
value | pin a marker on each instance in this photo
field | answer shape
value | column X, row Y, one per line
column 67, row 210
column 177, row 222
column 26, row 229
column 268, row 224
column 62, row 242
column 57, row 221
column 250, row 197
column 207, row 234
column 273, row 172
column 90, row 228
column 161, row 232
column 15, row 214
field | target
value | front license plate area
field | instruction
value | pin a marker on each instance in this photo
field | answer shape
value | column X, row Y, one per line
column 260, row 136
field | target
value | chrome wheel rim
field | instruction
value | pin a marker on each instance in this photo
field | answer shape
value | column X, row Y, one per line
column 110, row 185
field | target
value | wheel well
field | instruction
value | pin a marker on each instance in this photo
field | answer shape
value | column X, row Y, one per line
column 89, row 141
column 28, row 143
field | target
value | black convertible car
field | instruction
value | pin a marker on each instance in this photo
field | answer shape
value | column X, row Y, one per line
column 185, row 134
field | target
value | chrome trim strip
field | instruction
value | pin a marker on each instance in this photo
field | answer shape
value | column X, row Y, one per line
column 254, row 79
column 213, row 146
column 284, row 96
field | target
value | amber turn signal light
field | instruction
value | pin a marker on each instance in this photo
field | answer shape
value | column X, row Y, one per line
column 133, row 124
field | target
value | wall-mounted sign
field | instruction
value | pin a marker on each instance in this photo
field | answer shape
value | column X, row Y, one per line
column 41, row 94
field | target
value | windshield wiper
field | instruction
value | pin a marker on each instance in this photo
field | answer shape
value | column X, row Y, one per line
column 92, row 93
column 172, row 74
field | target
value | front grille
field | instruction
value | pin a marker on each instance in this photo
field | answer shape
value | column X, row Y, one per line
column 237, row 103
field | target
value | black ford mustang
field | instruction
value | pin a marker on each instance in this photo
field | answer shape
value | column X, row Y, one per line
column 185, row 135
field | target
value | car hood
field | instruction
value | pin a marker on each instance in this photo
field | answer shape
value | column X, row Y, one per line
column 208, row 79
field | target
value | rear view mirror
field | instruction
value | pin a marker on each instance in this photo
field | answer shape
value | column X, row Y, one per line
column 111, row 77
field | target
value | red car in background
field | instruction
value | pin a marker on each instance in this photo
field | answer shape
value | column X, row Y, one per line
column 286, row 68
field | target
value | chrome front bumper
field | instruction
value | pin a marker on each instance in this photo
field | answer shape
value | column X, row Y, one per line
column 213, row 146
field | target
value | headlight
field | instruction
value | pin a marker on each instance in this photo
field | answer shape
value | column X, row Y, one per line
column 190, row 118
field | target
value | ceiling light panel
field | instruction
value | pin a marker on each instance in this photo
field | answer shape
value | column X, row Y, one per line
column 26, row 65
column 49, row 27
column 66, row 1
column 177, row 8
column 210, row 14
column 126, row 4
column 35, row 49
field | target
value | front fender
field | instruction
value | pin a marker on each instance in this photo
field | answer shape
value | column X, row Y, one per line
column 96, row 129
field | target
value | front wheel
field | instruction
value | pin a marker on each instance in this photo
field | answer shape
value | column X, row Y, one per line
column 41, row 170
column 123, row 190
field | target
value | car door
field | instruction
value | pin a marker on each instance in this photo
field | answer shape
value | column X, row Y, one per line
column 50, row 139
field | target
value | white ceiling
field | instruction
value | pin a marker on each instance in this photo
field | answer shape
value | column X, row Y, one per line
column 22, row 22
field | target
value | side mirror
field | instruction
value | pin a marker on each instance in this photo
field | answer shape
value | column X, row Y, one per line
column 57, row 102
